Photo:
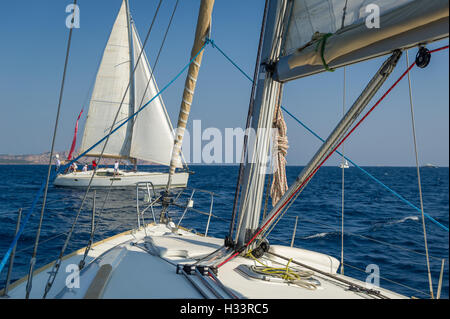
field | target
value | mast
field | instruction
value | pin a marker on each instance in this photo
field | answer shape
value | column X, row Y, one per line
column 336, row 135
column 132, row 79
column 202, row 31
column 266, row 97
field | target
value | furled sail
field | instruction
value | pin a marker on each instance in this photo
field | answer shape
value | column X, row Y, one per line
column 153, row 136
column 111, row 83
column 352, row 34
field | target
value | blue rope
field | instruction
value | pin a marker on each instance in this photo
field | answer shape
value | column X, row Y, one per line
column 39, row 193
column 214, row 45
column 22, row 227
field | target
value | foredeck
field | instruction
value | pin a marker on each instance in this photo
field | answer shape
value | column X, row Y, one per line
column 143, row 264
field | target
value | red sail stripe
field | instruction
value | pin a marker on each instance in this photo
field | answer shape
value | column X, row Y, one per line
column 74, row 141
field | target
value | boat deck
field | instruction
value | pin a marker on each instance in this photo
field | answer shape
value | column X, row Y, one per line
column 143, row 264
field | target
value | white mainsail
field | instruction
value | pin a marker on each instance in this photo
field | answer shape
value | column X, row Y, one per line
column 111, row 83
column 149, row 136
column 153, row 137
column 402, row 24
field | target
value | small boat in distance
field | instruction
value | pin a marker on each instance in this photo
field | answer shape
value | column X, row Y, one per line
column 149, row 137
column 428, row 165
column 344, row 164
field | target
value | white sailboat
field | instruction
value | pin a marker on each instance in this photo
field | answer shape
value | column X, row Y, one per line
column 164, row 260
column 148, row 137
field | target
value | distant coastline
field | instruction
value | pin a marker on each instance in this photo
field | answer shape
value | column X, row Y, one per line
column 42, row 159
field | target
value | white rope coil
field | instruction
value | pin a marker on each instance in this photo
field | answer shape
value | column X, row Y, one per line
column 279, row 182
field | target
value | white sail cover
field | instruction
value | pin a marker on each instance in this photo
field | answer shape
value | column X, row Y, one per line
column 402, row 24
column 152, row 132
column 325, row 16
column 111, row 83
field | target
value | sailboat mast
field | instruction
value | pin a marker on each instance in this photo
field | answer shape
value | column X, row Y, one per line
column 265, row 101
column 336, row 135
column 132, row 77
column 202, row 31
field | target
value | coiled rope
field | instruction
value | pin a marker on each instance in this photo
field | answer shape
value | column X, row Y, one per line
column 289, row 275
column 279, row 180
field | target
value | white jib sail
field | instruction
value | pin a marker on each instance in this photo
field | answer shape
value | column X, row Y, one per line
column 111, row 83
column 153, row 137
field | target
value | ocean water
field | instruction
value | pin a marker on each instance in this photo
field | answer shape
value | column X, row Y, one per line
column 379, row 229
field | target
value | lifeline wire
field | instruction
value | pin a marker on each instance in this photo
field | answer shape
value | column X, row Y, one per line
column 129, row 118
column 57, row 263
column 82, row 262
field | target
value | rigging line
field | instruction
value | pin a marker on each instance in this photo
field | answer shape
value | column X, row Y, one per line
column 343, row 167
column 366, row 172
column 154, row 67
column 418, row 177
column 260, row 156
column 91, row 238
column 142, row 50
column 390, row 280
column 22, row 227
column 41, row 189
column 300, row 187
column 82, row 262
column 334, row 276
column 272, row 227
column 159, row 53
column 249, row 116
column 137, row 112
column 58, row 261
column 344, row 14
column 367, row 238
column 348, row 159
column 61, row 93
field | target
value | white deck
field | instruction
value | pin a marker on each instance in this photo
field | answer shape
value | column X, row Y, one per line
column 136, row 273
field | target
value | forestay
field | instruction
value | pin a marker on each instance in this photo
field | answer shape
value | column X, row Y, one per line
column 356, row 34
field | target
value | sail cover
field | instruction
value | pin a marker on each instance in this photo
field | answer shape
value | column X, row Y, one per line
column 111, row 83
column 354, row 35
column 152, row 132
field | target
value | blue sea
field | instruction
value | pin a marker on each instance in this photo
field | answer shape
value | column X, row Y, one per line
column 379, row 229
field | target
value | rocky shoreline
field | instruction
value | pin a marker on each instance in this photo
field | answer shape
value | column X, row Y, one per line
column 42, row 159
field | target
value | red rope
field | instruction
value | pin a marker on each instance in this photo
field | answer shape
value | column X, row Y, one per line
column 328, row 156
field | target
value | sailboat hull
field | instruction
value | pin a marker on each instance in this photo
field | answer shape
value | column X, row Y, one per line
column 106, row 178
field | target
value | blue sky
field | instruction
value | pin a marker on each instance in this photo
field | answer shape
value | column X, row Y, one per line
column 34, row 36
